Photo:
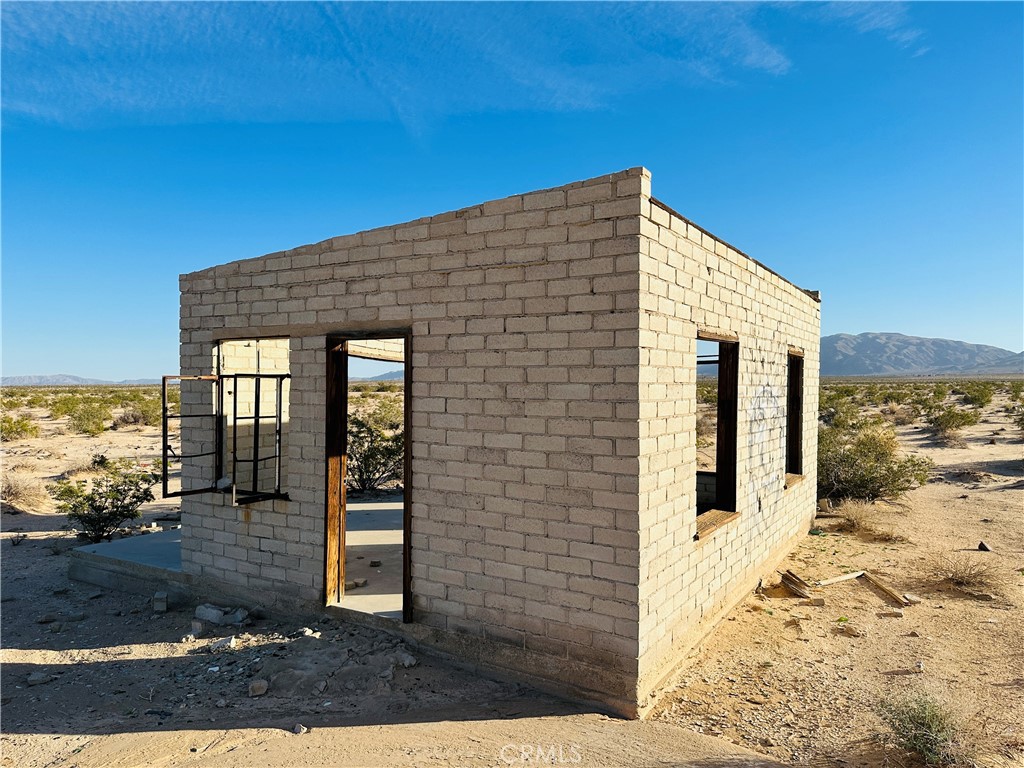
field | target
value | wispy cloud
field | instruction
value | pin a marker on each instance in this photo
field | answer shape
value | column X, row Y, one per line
column 164, row 63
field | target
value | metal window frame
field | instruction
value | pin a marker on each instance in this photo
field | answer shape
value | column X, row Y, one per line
column 239, row 496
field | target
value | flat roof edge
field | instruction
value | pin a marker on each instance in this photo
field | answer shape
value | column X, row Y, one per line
column 815, row 295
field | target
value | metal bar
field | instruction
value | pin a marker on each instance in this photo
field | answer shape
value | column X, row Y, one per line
column 218, row 464
column 234, row 430
column 407, row 608
column 256, row 436
column 164, row 431
column 277, row 436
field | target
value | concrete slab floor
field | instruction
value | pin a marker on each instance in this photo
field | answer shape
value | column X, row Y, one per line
column 159, row 550
column 373, row 532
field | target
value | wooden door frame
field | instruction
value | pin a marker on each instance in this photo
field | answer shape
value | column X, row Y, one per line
column 336, row 449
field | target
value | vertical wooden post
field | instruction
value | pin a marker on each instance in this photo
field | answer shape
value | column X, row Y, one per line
column 336, row 424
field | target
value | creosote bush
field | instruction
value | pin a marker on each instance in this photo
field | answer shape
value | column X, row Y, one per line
column 976, row 393
column 17, row 427
column 90, row 418
column 376, row 444
column 948, row 421
column 112, row 499
column 927, row 727
column 859, row 459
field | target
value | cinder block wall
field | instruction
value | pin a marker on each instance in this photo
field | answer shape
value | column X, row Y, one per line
column 553, row 424
column 524, row 323
column 691, row 282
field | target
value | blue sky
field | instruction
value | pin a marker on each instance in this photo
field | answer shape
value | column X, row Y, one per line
column 872, row 152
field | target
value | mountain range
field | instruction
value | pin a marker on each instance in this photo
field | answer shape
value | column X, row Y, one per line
column 893, row 354
column 866, row 354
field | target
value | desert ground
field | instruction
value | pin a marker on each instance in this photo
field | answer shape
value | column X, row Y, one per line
column 94, row 677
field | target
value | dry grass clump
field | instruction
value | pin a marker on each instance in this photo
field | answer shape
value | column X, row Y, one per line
column 22, row 492
column 965, row 571
column 864, row 518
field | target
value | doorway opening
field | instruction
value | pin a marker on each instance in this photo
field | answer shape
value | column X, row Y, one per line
column 368, row 453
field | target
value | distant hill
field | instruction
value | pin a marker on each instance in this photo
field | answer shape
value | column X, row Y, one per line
column 893, row 354
column 65, row 380
column 389, row 376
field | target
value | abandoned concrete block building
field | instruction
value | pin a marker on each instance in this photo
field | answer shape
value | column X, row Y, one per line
column 556, row 519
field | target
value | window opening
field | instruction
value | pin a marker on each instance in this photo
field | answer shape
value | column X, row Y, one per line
column 795, row 415
column 717, row 387
column 246, row 411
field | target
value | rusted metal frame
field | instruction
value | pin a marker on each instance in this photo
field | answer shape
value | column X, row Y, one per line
column 165, row 435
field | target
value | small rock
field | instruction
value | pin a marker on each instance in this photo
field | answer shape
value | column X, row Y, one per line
column 982, row 546
column 375, row 563
column 912, row 599
column 300, row 729
column 93, row 595
column 913, row 633
column 919, row 667
column 211, row 613
column 46, row 618
column 39, row 678
column 198, row 627
column 360, row 582
column 221, row 703
column 76, row 616
column 223, row 643
column 818, row 602
column 321, row 686
column 159, row 602
column 893, row 613
column 258, row 687
column 405, row 659
column 986, row 519
column 237, row 616
column 56, row 627
column 213, row 670
column 853, row 631
column 188, row 639
column 350, row 585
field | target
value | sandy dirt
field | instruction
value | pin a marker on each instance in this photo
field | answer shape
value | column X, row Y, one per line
column 115, row 684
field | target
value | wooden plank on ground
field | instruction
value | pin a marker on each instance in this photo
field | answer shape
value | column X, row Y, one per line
column 837, row 579
column 892, row 593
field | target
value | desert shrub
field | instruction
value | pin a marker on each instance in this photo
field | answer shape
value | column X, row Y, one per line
column 1017, row 417
column 22, row 491
column 145, row 412
column 17, row 427
column 64, row 405
column 388, row 386
column 860, row 460
column 927, row 727
column 976, row 393
column 113, row 498
column 36, row 400
column 376, row 444
column 1015, row 390
column 948, row 421
column 707, row 392
column 901, row 416
column 9, row 399
column 90, row 418
column 707, row 429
